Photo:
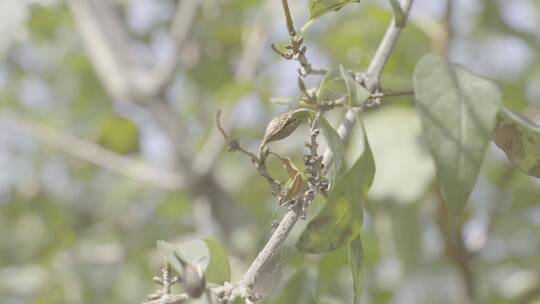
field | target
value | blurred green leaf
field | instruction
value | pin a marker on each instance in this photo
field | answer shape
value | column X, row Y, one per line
column 318, row 8
column 207, row 254
column 219, row 269
column 356, row 259
column 398, row 13
column 194, row 252
column 457, row 110
column 519, row 138
column 119, row 134
column 335, row 144
column 340, row 220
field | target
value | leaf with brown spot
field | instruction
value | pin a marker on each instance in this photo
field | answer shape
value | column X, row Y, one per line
column 519, row 138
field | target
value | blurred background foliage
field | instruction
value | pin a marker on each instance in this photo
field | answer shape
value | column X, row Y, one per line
column 73, row 230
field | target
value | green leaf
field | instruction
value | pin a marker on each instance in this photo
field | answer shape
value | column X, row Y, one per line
column 207, row 254
column 398, row 13
column 335, row 144
column 519, row 138
column 340, row 220
column 219, row 269
column 119, row 134
column 457, row 110
column 358, row 95
column 318, row 8
column 356, row 259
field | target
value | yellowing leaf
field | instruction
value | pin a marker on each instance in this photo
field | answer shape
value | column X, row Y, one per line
column 296, row 184
column 519, row 138
column 296, row 187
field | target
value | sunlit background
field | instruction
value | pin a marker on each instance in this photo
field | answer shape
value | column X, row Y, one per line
column 97, row 162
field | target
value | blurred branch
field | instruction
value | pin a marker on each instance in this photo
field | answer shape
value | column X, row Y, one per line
column 122, row 75
column 208, row 155
column 373, row 74
column 93, row 153
column 106, row 43
column 109, row 46
column 152, row 82
column 243, row 288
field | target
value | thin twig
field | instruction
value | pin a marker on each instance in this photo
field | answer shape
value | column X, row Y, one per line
column 260, row 165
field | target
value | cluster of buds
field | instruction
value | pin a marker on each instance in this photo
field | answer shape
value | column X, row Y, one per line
column 314, row 166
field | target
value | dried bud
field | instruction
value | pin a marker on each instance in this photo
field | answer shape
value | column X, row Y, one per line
column 193, row 280
column 280, row 127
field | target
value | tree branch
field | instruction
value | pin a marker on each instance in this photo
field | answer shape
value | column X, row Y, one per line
column 290, row 218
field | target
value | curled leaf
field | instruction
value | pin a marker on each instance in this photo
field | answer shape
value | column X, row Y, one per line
column 284, row 125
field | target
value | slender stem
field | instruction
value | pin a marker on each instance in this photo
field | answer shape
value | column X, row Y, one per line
column 288, row 18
